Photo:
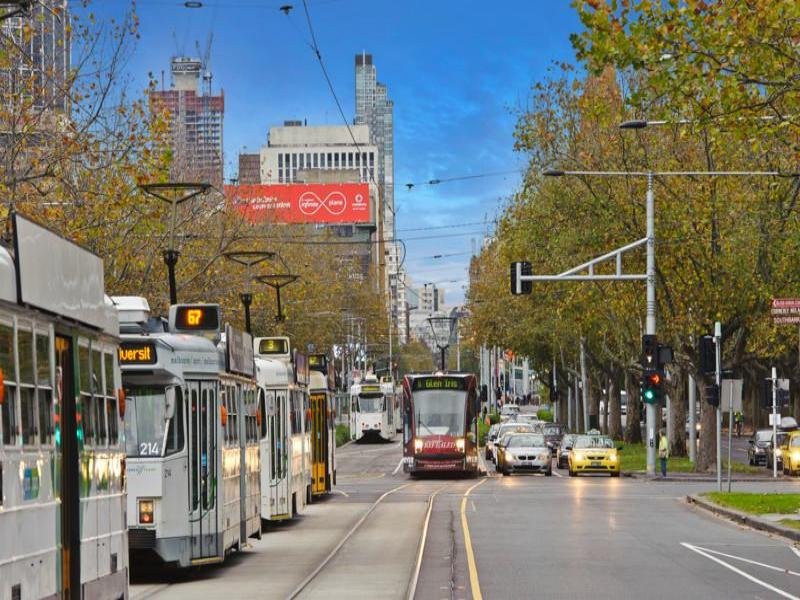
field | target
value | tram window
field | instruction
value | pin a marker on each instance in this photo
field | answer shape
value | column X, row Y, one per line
column 45, row 415
column 25, row 349
column 113, row 421
column 98, row 403
column 8, row 416
column 28, row 416
column 85, row 368
column 175, row 438
column 262, row 407
column 194, row 417
column 108, row 363
column 233, row 416
column 86, row 419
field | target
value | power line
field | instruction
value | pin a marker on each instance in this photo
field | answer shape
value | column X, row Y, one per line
column 456, row 226
column 439, row 180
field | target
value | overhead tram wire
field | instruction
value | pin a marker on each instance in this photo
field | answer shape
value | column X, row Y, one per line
column 437, row 181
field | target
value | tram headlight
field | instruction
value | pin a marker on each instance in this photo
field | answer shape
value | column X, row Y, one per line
column 146, row 508
column 460, row 444
column 417, row 445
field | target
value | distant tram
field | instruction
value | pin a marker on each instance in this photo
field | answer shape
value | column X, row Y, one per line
column 62, row 485
column 191, row 433
column 372, row 411
column 321, row 388
column 440, row 423
column 285, row 440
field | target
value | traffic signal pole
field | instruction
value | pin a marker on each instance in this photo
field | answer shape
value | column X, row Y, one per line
column 774, row 423
column 718, row 412
column 650, row 321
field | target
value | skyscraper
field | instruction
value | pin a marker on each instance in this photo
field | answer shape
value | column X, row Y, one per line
column 196, row 123
column 37, row 61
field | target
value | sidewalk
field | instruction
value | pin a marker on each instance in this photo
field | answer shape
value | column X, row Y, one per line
column 767, row 523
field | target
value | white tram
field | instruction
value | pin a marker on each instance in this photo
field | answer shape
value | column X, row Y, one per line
column 372, row 412
column 285, row 442
column 62, row 486
column 191, row 434
column 396, row 393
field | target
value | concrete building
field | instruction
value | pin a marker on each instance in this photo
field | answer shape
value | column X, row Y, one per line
column 196, row 122
column 249, row 169
column 39, row 65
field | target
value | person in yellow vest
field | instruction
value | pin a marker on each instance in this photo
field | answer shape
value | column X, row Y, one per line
column 663, row 451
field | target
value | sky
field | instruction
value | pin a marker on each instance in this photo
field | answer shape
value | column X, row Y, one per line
column 459, row 73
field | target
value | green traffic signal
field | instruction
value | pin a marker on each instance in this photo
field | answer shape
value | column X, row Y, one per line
column 649, row 394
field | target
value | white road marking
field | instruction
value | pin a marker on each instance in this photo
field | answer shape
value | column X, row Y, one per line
column 708, row 554
column 557, row 474
column 345, row 494
column 398, row 467
column 752, row 562
column 795, row 550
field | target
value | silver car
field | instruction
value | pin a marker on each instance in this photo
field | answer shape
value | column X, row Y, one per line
column 505, row 428
column 526, row 452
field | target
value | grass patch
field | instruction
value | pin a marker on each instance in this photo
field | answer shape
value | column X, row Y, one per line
column 793, row 523
column 483, row 429
column 737, row 467
column 342, row 435
column 634, row 458
column 757, row 504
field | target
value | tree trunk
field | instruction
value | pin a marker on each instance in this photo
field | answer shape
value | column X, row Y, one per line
column 633, row 430
column 614, row 408
column 678, row 402
column 707, row 452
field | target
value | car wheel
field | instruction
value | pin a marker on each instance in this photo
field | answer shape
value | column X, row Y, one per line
column 572, row 473
column 750, row 461
column 506, row 473
column 548, row 473
column 615, row 473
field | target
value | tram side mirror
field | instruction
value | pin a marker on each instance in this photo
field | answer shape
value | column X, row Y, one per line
column 169, row 403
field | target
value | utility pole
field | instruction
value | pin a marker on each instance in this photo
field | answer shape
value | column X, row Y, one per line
column 650, row 319
column 718, row 375
column 774, row 423
column 584, row 385
column 692, row 419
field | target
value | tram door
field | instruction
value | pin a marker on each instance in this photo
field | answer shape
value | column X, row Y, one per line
column 205, row 538
column 319, row 444
column 279, row 453
column 67, row 439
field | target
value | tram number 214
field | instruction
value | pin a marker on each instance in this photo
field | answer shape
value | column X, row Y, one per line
column 149, row 449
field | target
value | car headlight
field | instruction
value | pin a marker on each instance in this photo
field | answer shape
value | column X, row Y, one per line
column 544, row 456
column 417, row 445
column 778, row 452
column 579, row 456
column 613, row 457
column 509, row 456
column 460, row 444
column 796, row 456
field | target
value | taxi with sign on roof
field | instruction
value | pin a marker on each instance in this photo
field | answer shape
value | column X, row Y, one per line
column 594, row 454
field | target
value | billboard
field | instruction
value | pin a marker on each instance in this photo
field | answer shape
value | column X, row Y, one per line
column 301, row 203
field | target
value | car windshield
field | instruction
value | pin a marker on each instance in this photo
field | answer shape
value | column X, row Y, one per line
column 568, row 440
column 526, row 441
column 370, row 403
column 794, row 442
column 551, row 430
column 763, row 436
column 440, row 412
column 147, row 430
column 593, row 442
column 515, row 428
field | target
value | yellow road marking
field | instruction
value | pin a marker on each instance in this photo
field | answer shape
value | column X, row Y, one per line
column 473, row 570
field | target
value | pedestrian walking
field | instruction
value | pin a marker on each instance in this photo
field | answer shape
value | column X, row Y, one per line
column 738, row 419
column 663, row 451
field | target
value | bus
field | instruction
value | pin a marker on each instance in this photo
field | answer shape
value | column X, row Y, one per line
column 440, row 423
column 321, row 388
column 372, row 411
column 62, row 480
column 285, row 440
column 191, row 434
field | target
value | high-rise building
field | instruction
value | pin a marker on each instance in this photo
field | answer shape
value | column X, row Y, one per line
column 38, row 56
column 196, row 123
column 249, row 169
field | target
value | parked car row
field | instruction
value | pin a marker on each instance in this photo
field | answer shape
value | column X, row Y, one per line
column 784, row 451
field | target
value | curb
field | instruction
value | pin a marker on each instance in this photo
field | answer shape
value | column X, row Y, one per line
column 698, row 479
column 744, row 519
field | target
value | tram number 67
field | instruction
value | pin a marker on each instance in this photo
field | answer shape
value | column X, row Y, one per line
column 194, row 316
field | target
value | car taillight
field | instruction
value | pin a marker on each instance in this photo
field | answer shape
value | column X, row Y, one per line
column 146, row 508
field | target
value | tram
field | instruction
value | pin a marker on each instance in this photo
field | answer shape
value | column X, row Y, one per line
column 396, row 393
column 191, row 433
column 285, row 443
column 62, row 485
column 321, row 388
column 372, row 411
column 440, row 423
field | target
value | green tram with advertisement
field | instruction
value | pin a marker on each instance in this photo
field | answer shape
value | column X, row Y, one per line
column 62, row 480
column 440, row 423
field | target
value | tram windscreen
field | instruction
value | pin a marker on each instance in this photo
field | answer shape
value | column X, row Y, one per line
column 370, row 403
column 440, row 412
column 148, row 433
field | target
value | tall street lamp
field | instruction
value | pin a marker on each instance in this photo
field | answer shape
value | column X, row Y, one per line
column 649, row 276
column 278, row 281
column 174, row 193
column 248, row 258
column 443, row 346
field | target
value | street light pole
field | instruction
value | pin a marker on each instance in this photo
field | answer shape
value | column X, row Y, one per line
column 650, row 319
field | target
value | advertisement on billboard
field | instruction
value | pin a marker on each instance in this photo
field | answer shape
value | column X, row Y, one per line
column 301, row 203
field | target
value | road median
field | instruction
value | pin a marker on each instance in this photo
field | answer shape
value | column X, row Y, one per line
column 751, row 520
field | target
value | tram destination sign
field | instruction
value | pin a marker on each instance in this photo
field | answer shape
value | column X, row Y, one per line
column 137, row 353
column 195, row 317
column 240, row 352
column 439, row 383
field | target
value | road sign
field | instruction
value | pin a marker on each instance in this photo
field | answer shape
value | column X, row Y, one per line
column 732, row 392
column 785, row 310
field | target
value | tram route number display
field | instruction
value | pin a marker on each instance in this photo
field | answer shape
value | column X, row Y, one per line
column 439, row 383
column 370, row 389
column 199, row 317
column 137, row 353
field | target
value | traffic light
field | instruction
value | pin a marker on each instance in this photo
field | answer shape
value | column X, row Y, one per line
column 519, row 287
column 712, row 394
column 649, row 352
column 652, row 386
column 708, row 355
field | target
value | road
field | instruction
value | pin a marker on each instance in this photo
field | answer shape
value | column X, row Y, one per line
column 529, row 536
